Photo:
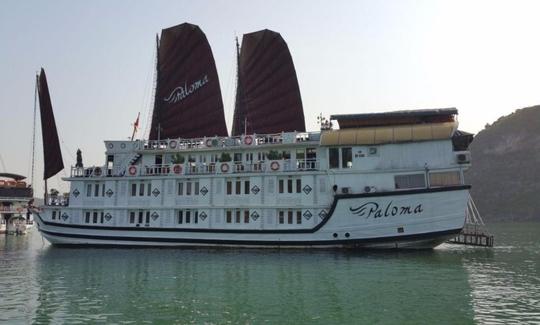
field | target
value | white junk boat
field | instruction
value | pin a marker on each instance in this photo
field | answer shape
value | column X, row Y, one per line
column 390, row 180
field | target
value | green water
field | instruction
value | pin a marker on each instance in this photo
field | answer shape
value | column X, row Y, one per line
column 449, row 285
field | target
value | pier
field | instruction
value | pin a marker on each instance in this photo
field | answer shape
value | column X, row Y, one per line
column 474, row 232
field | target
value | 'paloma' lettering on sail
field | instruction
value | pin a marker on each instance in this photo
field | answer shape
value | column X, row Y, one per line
column 181, row 92
column 372, row 209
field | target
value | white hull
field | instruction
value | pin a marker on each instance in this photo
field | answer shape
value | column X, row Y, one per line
column 421, row 218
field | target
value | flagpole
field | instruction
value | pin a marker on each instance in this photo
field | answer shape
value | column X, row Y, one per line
column 135, row 126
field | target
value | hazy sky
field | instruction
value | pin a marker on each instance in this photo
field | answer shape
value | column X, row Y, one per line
column 482, row 57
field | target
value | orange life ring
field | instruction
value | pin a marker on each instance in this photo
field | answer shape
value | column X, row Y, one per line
column 173, row 144
column 132, row 170
column 248, row 140
column 274, row 165
column 224, row 168
column 177, row 169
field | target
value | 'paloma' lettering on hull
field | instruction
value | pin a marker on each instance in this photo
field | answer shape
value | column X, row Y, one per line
column 372, row 209
column 181, row 92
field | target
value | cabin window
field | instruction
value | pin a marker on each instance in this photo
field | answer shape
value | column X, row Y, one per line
column 229, row 187
column 95, row 216
column 281, row 186
column 96, row 190
column 444, row 179
column 101, row 217
column 148, row 189
column 132, row 217
column 410, row 181
column 87, row 217
column 298, row 185
column 196, row 191
column 237, row 157
column 289, row 217
column 103, row 189
column 140, row 217
column 147, row 217
column 89, row 190
column 180, row 188
column 229, row 216
column 141, row 189
column 180, row 217
column 237, row 216
column 286, row 154
column 346, row 157
column 188, row 216
column 53, row 215
column 333, row 157
column 196, row 218
column 246, row 216
column 298, row 217
column 188, row 188
column 246, row 187
column 281, row 217
column 238, row 187
column 133, row 189
column 249, row 156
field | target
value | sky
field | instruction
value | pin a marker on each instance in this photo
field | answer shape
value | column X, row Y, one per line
column 482, row 57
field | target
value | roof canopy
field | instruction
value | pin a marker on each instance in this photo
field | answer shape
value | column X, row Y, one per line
column 13, row 176
column 441, row 115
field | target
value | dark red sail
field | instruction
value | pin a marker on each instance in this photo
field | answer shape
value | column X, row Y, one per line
column 188, row 101
column 268, row 96
column 52, row 155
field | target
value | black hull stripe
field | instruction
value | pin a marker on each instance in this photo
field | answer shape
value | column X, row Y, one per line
column 337, row 197
column 352, row 242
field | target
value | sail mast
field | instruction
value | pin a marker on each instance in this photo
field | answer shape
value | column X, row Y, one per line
column 34, row 129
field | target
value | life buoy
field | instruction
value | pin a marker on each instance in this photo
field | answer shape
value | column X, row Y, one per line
column 224, row 168
column 173, row 144
column 248, row 140
column 177, row 169
column 208, row 142
column 97, row 171
column 274, row 165
column 132, row 170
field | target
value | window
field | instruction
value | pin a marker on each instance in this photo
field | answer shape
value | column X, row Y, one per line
column 180, row 217
column 333, row 157
column 289, row 217
column 94, row 219
column 96, row 190
column 298, row 217
column 196, row 188
column 286, row 155
column 298, row 185
column 246, row 187
column 53, row 215
column 141, row 189
column 289, row 185
column 238, row 187
column 229, row 187
column 410, row 181
column 103, row 189
column 281, row 217
column 246, row 216
column 180, row 188
column 132, row 217
column 237, row 216
column 188, row 188
column 101, row 217
column 196, row 219
column 89, row 190
column 149, row 188
column 346, row 157
column 87, row 217
column 229, row 216
column 281, row 186
column 237, row 157
column 140, row 217
column 188, row 216
column 147, row 221
column 444, row 178
column 133, row 189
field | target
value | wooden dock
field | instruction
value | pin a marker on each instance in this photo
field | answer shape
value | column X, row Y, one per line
column 474, row 232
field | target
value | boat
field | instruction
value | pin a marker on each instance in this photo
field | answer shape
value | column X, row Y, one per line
column 369, row 180
column 15, row 198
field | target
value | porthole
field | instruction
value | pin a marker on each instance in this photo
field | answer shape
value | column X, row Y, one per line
column 335, row 235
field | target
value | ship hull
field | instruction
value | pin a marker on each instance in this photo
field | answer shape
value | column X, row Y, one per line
column 419, row 219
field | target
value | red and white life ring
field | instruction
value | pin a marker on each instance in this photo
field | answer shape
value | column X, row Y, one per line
column 274, row 165
column 132, row 170
column 97, row 171
column 173, row 144
column 248, row 140
column 177, row 169
column 224, row 168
